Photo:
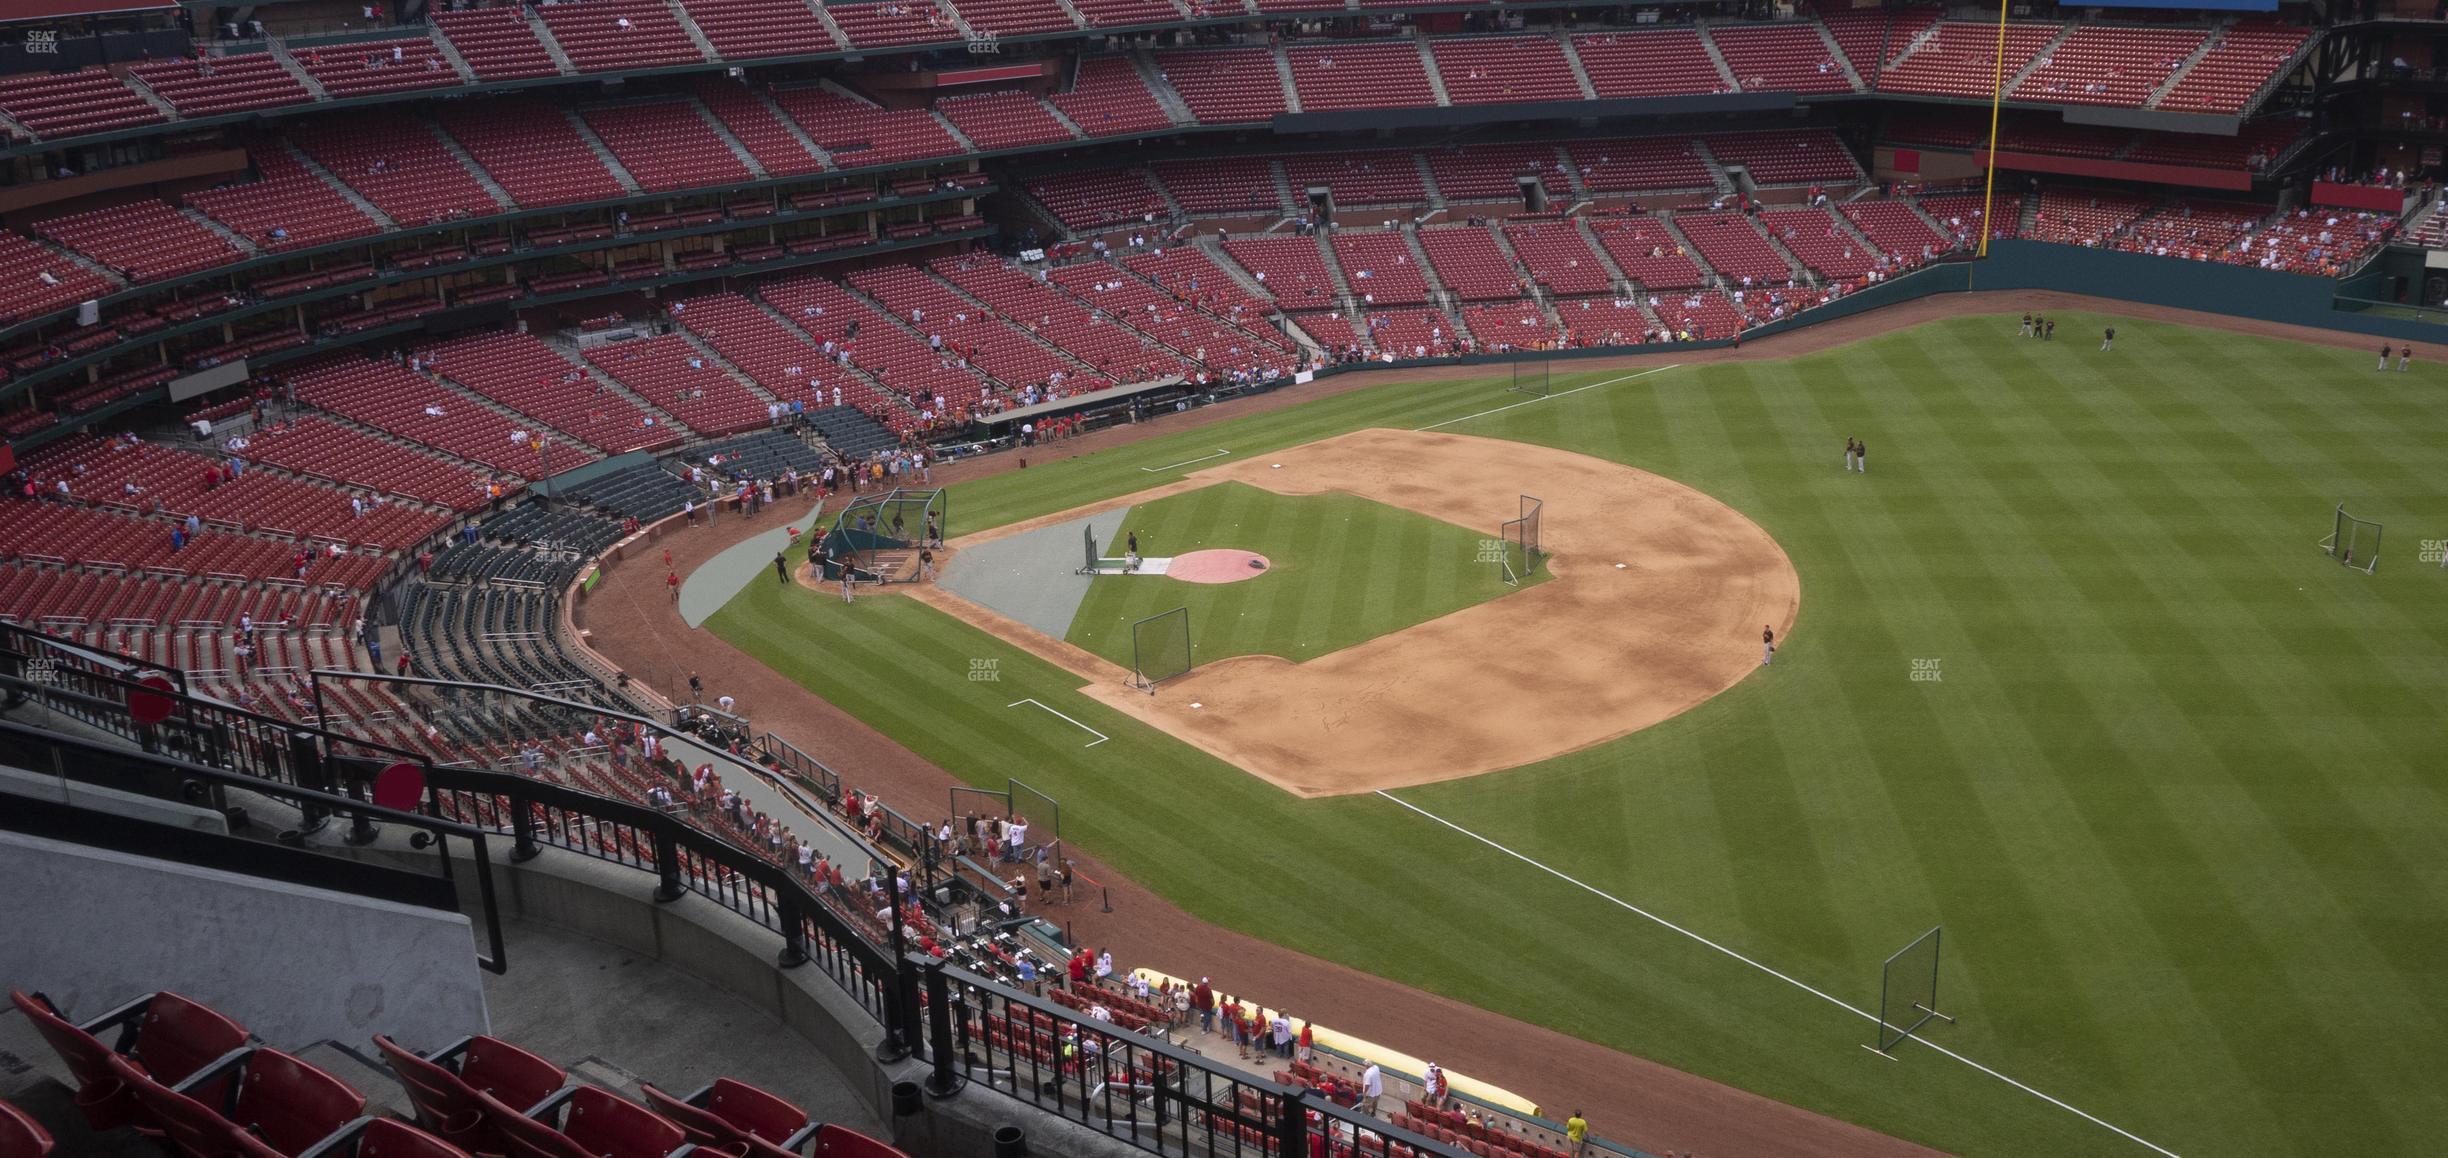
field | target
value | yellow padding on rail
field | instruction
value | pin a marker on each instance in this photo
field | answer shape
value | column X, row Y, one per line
column 1392, row 1061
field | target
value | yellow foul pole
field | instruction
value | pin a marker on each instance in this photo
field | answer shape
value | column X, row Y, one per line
column 1997, row 97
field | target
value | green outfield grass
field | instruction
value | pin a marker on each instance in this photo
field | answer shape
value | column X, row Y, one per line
column 2177, row 795
column 1341, row 570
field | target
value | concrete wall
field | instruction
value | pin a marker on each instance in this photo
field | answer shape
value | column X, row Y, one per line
column 2241, row 291
column 95, row 928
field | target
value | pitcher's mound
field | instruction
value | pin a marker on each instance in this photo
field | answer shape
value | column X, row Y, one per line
column 1226, row 566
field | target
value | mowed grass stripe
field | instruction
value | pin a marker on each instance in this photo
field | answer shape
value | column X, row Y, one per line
column 2178, row 816
column 2073, row 472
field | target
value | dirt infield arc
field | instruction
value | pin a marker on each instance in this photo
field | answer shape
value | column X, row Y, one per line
column 1597, row 652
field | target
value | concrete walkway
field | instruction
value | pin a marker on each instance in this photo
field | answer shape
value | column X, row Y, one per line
column 1033, row 576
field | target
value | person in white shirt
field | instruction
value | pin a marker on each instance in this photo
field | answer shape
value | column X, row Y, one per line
column 724, row 702
column 1372, row 1086
column 1104, row 967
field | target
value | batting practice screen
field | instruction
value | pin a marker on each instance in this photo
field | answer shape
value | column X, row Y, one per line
column 1521, row 542
column 1160, row 647
column 2354, row 542
column 1908, row 991
column 1530, row 376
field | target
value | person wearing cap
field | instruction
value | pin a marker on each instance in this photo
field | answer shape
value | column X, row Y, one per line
column 1435, row 1085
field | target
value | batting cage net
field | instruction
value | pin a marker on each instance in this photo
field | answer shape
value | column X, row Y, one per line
column 1160, row 648
column 878, row 536
column 1521, row 554
column 1530, row 377
column 1088, row 536
column 1908, row 991
column 2354, row 542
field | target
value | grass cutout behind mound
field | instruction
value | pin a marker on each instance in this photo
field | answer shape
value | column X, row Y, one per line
column 2175, row 793
column 1341, row 570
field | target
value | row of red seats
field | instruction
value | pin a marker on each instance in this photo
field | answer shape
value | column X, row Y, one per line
column 195, row 1079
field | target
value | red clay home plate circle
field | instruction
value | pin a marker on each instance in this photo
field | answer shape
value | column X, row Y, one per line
column 1217, row 566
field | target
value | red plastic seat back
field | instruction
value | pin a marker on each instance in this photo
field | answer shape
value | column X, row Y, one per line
column 835, row 1142
column 290, row 1104
column 388, row 1138
column 524, row 1137
column 179, row 1036
column 189, row 1126
column 611, row 1126
column 20, row 1135
column 516, row 1077
column 105, row 1101
column 754, row 1110
column 701, row 1127
column 443, row 1103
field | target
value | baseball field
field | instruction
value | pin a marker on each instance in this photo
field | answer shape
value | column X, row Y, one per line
column 2067, row 676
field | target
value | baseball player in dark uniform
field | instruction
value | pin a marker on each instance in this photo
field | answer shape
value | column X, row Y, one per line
column 1767, row 645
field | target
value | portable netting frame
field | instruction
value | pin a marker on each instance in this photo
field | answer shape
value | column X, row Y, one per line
column 1908, row 993
column 2354, row 542
column 1088, row 565
column 1530, row 377
column 1520, row 557
column 1160, row 648
column 1016, row 799
column 865, row 534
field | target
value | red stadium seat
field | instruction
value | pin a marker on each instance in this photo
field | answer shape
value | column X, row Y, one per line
column 837, row 1142
column 384, row 1138
column 282, row 1105
column 165, row 1034
column 731, row 1114
column 448, row 1101
column 595, row 1123
column 20, row 1135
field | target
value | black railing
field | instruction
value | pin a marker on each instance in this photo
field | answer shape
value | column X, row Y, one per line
column 155, row 774
column 971, row 1030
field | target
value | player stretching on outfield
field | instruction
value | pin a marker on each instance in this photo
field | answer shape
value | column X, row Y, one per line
column 2108, row 339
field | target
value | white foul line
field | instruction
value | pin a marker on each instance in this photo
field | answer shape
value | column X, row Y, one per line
column 1185, row 462
column 1838, row 1002
column 1100, row 736
column 1551, row 397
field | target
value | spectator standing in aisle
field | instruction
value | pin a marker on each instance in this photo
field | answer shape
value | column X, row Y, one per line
column 1436, row 1088
column 1576, row 1132
column 1372, row 1086
column 1103, row 970
column 1279, row 1033
column 1203, row 1003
